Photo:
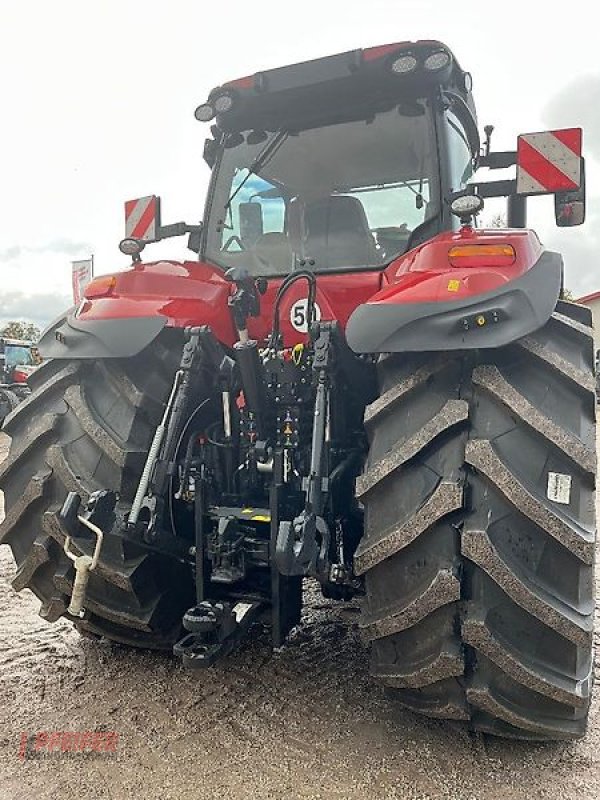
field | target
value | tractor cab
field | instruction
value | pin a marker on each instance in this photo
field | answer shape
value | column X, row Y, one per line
column 18, row 358
column 341, row 163
column 348, row 162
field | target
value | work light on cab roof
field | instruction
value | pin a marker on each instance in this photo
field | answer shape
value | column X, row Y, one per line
column 404, row 64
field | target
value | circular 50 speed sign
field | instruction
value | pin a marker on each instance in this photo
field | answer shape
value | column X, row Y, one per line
column 299, row 315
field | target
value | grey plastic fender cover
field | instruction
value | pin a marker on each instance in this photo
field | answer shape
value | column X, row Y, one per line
column 511, row 311
column 69, row 337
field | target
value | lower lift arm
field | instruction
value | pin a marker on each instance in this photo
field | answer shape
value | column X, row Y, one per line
column 303, row 544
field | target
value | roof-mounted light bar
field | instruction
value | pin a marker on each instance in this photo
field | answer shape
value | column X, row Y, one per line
column 252, row 99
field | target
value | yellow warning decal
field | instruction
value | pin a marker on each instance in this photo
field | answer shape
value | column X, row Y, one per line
column 297, row 351
column 453, row 285
column 261, row 518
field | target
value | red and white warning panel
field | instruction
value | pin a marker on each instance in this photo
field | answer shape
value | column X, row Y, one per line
column 549, row 162
column 142, row 218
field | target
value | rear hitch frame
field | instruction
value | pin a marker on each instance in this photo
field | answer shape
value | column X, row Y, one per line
column 215, row 629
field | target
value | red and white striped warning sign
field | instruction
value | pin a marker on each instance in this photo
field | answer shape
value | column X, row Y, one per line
column 549, row 162
column 142, row 218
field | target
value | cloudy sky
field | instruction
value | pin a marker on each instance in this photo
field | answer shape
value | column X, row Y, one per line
column 97, row 102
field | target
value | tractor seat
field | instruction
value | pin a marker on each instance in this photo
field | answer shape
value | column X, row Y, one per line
column 272, row 255
column 336, row 234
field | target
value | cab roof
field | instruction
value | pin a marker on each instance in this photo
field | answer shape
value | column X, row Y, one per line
column 294, row 93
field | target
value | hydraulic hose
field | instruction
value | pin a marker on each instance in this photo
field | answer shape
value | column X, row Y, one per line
column 310, row 278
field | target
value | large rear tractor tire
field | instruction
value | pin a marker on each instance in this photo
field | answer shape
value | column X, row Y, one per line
column 480, row 532
column 86, row 426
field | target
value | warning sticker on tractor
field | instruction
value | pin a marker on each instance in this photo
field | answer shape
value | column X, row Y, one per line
column 559, row 488
column 240, row 610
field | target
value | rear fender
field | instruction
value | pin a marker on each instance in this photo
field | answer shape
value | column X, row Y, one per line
column 123, row 313
column 490, row 319
column 69, row 337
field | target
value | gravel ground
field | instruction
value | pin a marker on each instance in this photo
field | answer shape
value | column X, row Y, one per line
column 305, row 722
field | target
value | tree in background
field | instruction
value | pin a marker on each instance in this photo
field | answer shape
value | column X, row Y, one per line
column 21, row 330
column 498, row 221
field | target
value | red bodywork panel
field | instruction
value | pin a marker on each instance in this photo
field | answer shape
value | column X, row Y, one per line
column 186, row 293
column 425, row 275
column 20, row 375
column 193, row 293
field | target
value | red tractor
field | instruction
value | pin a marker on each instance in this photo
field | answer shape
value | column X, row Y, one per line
column 18, row 359
column 354, row 383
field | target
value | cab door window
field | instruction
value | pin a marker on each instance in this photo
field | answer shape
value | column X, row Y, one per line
column 257, row 208
column 459, row 153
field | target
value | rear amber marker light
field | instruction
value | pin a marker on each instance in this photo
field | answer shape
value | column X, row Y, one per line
column 100, row 287
column 482, row 255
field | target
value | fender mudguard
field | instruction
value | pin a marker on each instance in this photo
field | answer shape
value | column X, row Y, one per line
column 68, row 337
column 488, row 320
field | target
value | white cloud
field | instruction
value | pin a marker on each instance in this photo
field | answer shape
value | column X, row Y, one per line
column 39, row 308
column 577, row 105
column 64, row 246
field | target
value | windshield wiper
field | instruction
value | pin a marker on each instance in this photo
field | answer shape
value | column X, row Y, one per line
column 261, row 160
